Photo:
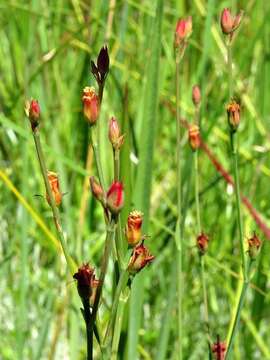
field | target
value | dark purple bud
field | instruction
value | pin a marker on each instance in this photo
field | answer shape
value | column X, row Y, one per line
column 103, row 62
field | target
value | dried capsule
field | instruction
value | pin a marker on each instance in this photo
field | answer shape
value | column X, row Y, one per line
column 133, row 229
column 139, row 259
column 90, row 105
column 202, row 243
column 101, row 69
column 234, row 112
column 55, row 188
column 115, row 197
column 115, row 137
column 96, row 189
column 194, row 137
column 254, row 246
column 86, row 282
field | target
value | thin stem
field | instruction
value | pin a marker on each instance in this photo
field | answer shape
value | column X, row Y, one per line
column 197, row 192
column 55, row 211
column 237, row 318
column 116, row 163
column 234, row 154
column 179, row 212
column 89, row 328
column 94, row 143
column 104, row 265
column 230, row 70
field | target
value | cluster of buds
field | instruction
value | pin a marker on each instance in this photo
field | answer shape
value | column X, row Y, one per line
column 196, row 95
column 86, row 282
column 101, row 69
column 133, row 229
column 115, row 137
column 229, row 23
column 55, row 188
column 219, row 349
column 139, row 259
column 32, row 110
column 233, row 111
column 91, row 105
column 254, row 245
column 202, row 243
column 194, row 137
column 182, row 32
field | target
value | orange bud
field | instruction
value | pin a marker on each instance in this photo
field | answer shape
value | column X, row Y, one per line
column 90, row 105
column 254, row 245
column 133, row 228
column 233, row 111
column 202, row 243
column 86, row 282
column 115, row 136
column 96, row 189
column 196, row 95
column 228, row 22
column 32, row 110
column 55, row 187
column 139, row 259
column 183, row 31
column 194, row 137
column 115, row 197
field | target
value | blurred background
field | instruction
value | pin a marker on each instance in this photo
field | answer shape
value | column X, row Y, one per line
column 45, row 52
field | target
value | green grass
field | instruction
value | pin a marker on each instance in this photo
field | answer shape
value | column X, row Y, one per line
column 45, row 53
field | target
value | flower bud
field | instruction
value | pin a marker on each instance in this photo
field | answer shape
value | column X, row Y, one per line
column 219, row 349
column 254, row 245
column 194, row 137
column 115, row 197
column 96, row 189
column 115, row 136
column 233, row 111
column 55, row 188
column 32, row 110
column 202, row 243
column 133, row 228
column 228, row 22
column 101, row 69
column 196, row 95
column 86, row 282
column 183, row 31
column 139, row 259
column 90, row 105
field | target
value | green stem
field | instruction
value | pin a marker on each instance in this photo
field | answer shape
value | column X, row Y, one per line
column 104, row 265
column 197, row 192
column 179, row 212
column 237, row 318
column 55, row 211
column 230, row 70
column 94, row 143
column 116, row 163
column 234, row 154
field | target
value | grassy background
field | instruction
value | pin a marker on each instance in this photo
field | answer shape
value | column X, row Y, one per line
column 45, row 52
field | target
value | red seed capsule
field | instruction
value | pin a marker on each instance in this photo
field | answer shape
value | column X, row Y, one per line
column 183, row 31
column 139, row 259
column 90, row 105
column 115, row 197
column 133, row 229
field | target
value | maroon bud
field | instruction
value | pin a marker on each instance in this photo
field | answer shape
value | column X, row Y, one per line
column 32, row 110
column 85, row 281
column 219, row 349
column 139, row 259
column 202, row 243
column 115, row 197
column 101, row 69
column 196, row 95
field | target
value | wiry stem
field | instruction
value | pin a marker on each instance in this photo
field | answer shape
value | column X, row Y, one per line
column 89, row 329
column 94, row 143
column 56, row 215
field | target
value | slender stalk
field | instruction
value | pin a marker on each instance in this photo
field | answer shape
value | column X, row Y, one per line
column 230, row 70
column 197, row 192
column 94, row 143
column 179, row 212
column 116, row 163
column 104, row 265
column 89, row 328
column 55, row 211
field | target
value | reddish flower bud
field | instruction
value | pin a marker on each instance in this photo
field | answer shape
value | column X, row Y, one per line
column 96, row 189
column 219, row 349
column 115, row 136
column 183, row 31
column 101, row 69
column 139, row 259
column 55, row 187
column 32, row 110
column 202, row 243
column 233, row 111
column 254, row 245
column 90, row 105
column 228, row 22
column 194, row 137
column 133, row 228
column 115, row 197
column 86, row 282
column 196, row 95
